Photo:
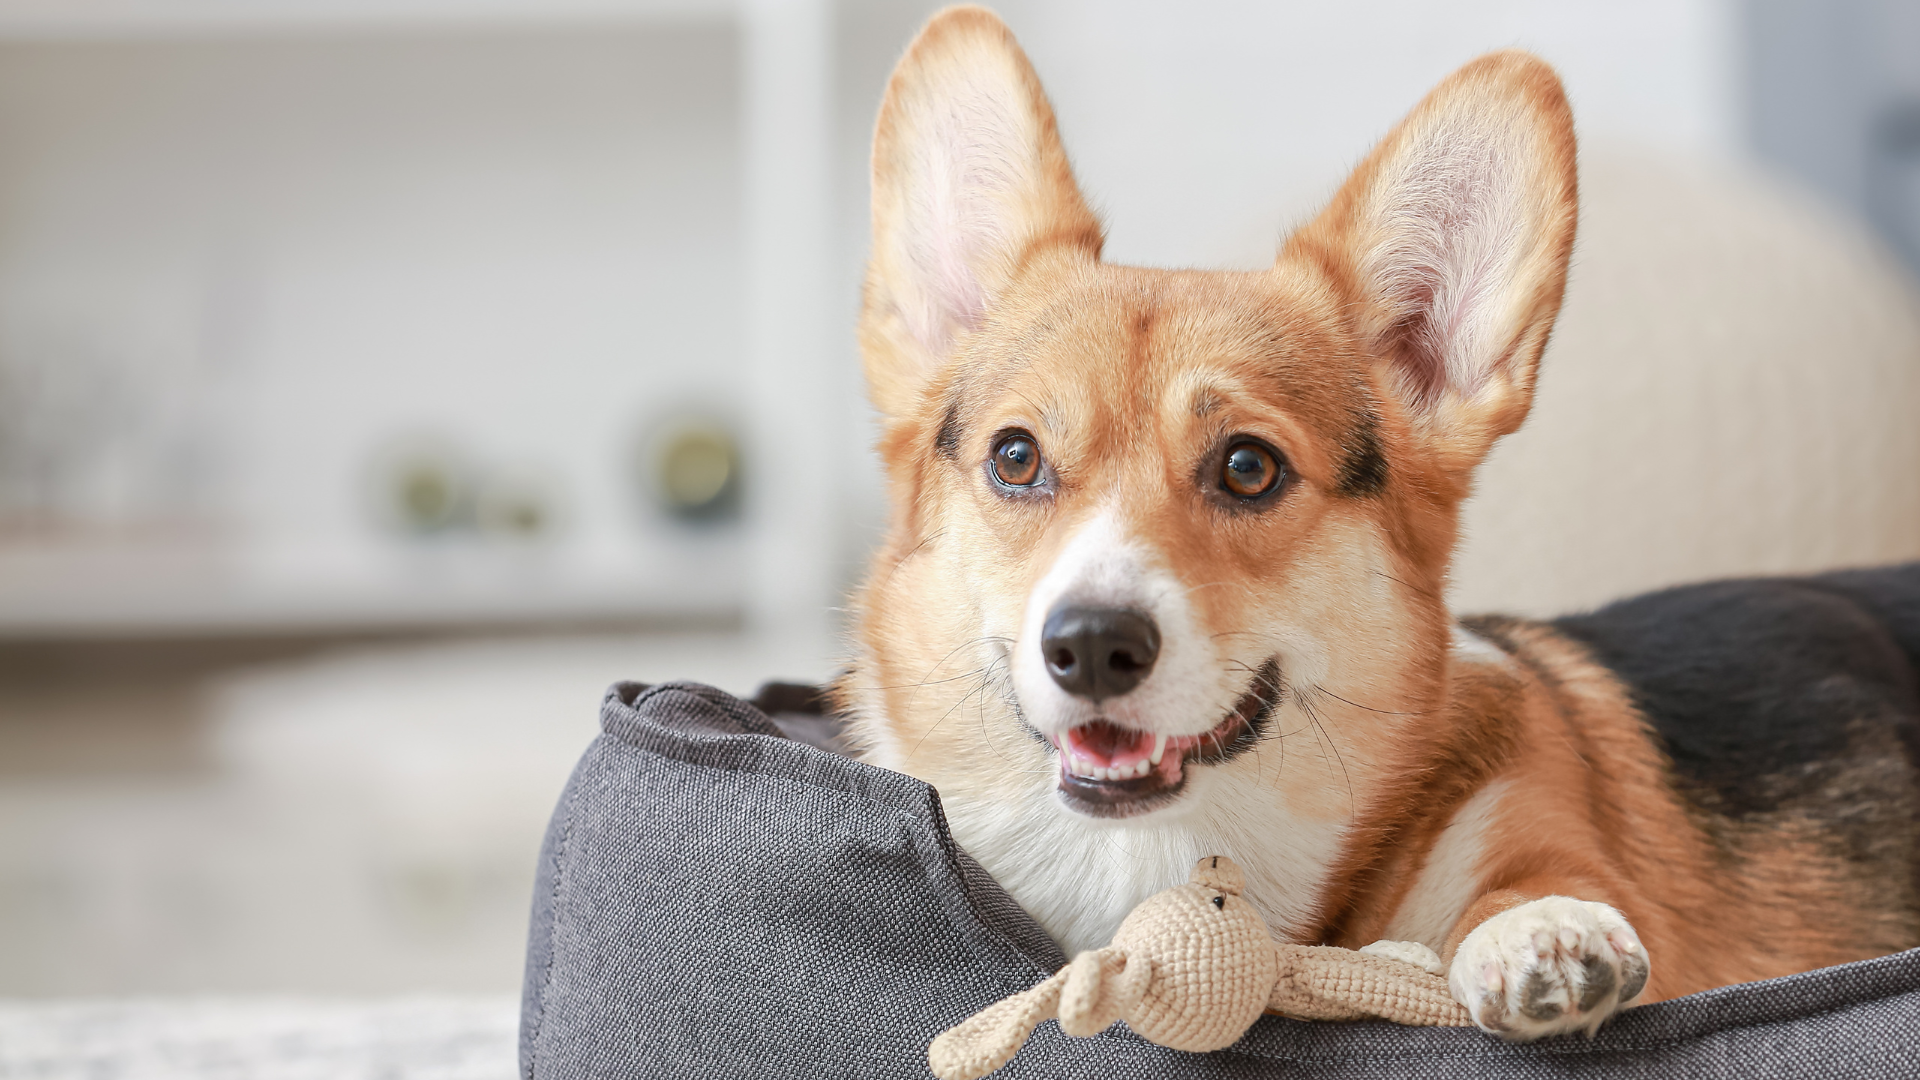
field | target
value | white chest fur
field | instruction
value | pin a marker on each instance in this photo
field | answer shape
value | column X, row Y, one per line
column 1079, row 877
column 1451, row 875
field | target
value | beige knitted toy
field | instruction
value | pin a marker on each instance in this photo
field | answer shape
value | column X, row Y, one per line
column 1191, row 969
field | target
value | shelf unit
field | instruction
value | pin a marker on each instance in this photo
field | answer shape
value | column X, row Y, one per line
column 776, row 577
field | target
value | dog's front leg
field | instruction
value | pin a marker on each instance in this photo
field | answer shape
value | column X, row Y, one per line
column 1531, row 961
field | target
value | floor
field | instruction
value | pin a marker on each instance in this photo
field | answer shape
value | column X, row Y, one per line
column 355, row 819
column 418, row 1038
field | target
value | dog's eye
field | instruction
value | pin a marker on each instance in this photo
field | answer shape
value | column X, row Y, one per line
column 1249, row 471
column 1016, row 461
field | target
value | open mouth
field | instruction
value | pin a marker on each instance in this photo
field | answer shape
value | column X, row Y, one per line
column 1110, row 771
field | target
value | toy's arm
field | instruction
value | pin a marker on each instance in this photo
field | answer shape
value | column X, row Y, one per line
column 1102, row 985
column 1087, row 995
column 1323, row 983
column 986, row 1040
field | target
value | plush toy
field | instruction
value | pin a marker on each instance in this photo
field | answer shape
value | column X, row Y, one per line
column 1191, row 969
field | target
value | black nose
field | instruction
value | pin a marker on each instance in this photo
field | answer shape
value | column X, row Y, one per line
column 1098, row 653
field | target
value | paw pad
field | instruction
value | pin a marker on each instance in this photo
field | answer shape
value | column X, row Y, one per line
column 1548, row 967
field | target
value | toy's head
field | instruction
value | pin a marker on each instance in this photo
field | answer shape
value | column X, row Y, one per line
column 1190, row 969
column 1211, row 962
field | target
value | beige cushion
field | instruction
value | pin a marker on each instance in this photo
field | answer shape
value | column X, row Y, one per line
column 1734, row 388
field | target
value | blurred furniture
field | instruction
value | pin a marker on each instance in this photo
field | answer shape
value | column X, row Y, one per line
column 333, row 317
column 1732, row 389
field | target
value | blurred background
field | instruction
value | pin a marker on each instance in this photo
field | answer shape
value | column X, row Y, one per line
column 380, row 379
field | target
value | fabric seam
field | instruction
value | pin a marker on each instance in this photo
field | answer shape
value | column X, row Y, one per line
column 1494, row 1053
column 968, row 928
column 553, row 909
column 771, row 770
column 976, row 923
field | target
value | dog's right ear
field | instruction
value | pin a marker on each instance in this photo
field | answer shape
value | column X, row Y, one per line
column 969, row 182
column 1449, row 248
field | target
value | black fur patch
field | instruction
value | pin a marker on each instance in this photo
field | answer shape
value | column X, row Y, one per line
column 1364, row 472
column 947, row 439
column 1891, row 593
column 1791, row 695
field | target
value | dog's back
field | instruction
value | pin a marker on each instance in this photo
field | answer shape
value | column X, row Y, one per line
column 1787, row 704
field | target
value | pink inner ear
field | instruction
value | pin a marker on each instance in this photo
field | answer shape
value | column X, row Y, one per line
column 1453, row 226
column 976, row 157
column 1413, row 342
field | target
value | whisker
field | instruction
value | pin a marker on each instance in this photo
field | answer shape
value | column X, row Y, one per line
column 928, row 680
column 1383, row 712
column 924, row 682
column 935, row 726
column 902, row 560
column 1320, row 729
column 1424, row 593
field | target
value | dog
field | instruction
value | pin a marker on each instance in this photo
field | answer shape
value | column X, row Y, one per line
column 1165, row 568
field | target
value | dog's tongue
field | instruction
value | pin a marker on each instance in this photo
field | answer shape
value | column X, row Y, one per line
column 1105, row 743
column 1120, row 751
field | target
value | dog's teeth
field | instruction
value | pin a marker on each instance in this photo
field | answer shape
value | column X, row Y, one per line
column 1159, row 751
column 1082, row 767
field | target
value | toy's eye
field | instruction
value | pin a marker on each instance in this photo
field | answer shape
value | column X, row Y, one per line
column 1249, row 470
column 1016, row 461
column 1220, row 902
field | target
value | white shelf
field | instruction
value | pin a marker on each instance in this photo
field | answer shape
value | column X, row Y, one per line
column 780, row 577
column 160, row 590
column 45, row 19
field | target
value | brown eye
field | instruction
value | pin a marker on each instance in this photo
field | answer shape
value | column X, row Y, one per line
column 1016, row 461
column 1249, row 471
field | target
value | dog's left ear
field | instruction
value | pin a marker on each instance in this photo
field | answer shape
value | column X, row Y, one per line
column 1450, row 242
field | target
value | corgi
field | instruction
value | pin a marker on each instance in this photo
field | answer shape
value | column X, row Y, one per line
column 1166, row 565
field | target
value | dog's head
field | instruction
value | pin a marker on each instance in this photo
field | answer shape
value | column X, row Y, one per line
column 1141, row 518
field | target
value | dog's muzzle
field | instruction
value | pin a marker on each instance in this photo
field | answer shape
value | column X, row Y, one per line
column 1107, row 770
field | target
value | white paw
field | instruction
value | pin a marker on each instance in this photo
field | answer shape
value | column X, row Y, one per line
column 1548, row 967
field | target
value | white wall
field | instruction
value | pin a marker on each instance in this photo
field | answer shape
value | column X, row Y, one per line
column 1204, row 131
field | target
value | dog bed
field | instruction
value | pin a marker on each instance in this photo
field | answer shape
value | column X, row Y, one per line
column 718, row 899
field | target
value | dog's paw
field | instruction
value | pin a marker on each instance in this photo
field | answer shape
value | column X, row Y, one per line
column 1548, row 967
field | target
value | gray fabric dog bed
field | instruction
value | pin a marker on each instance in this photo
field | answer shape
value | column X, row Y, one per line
column 716, row 899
